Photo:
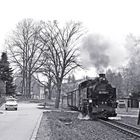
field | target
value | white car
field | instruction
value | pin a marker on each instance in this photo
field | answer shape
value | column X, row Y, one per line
column 11, row 103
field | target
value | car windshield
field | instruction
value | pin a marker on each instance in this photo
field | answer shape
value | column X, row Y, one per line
column 11, row 100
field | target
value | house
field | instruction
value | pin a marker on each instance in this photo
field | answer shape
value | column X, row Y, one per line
column 37, row 89
column 129, row 102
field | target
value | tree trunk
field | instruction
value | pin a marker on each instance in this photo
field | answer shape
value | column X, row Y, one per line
column 50, row 89
column 29, row 88
column 45, row 93
column 57, row 101
column 23, row 83
column 26, row 85
column 23, row 76
column 50, row 94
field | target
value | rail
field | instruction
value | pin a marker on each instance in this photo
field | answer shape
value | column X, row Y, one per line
column 124, row 128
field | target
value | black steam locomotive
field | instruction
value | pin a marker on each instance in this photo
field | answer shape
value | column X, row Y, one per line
column 94, row 97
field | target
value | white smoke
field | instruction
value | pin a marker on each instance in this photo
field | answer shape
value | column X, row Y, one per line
column 94, row 52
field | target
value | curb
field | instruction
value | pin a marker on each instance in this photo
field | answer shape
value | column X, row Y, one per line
column 34, row 134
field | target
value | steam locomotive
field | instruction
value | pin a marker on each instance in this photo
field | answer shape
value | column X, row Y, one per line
column 94, row 97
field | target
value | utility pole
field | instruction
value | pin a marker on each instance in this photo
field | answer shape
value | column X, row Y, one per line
column 139, row 114
column 126, row 104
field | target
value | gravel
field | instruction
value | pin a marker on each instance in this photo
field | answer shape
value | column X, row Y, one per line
column 61, row 125
column 130, row 120
column 129, row 117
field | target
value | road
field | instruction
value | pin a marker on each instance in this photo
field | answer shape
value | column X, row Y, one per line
column 19, row 125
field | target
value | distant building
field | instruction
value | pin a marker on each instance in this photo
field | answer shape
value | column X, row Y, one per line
column 70, row 86
column 128, row 102
column 37, row 89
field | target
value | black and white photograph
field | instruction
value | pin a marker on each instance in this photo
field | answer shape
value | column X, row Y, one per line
column 70, row 70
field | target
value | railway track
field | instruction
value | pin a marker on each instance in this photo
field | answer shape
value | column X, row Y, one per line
column 124, row 128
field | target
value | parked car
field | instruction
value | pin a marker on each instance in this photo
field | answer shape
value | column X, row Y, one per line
column 11, row 103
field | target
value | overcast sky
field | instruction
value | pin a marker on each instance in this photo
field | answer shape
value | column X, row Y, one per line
column 113, row 19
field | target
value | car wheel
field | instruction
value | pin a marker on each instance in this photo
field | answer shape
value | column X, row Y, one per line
column 5, row 108
column 15, row 108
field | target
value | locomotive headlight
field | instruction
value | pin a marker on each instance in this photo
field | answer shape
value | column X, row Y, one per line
column 90, row 101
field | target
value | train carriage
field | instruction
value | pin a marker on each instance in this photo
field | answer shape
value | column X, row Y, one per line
column 95, row 97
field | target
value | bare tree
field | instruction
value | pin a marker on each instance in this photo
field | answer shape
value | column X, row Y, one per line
column 61, row 51
column 26, row 51
column 49, row 84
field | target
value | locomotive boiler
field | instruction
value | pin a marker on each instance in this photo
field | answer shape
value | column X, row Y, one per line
column 94, row 97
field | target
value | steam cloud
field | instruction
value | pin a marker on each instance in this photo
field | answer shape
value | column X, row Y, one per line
column 94, row 52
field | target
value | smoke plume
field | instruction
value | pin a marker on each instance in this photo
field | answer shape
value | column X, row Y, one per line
column 94, row 52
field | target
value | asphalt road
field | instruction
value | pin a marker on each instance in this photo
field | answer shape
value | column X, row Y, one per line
column 19, row 125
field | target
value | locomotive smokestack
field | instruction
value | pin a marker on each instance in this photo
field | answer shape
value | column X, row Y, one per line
column 102, row 75
column 102, row 78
